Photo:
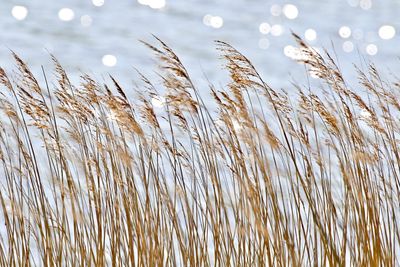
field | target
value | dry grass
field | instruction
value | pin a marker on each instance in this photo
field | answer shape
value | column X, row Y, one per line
column 90, row 178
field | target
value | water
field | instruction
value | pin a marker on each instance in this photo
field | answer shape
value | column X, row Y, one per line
column 118, row 25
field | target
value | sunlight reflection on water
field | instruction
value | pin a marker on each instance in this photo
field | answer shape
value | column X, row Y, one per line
column 100, row 36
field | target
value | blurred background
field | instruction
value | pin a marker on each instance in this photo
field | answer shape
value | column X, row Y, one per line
column 102, row 36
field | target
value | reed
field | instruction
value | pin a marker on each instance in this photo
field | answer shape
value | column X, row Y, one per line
column 90, row 177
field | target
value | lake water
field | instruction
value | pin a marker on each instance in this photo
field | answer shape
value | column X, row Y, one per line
column 81, row 32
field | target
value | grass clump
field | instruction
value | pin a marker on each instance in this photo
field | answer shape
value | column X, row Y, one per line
column 90, row 178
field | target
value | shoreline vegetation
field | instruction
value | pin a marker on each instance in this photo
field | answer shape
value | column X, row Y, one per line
column 90, row 177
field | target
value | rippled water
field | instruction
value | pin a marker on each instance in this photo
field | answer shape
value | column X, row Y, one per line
column 117, row 26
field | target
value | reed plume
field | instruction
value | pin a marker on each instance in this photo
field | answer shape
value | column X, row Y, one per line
column 92, row 176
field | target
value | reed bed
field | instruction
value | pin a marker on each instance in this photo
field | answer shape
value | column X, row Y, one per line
column 90, row 177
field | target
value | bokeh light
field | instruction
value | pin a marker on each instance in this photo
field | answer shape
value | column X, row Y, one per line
column 310, row 34
column 216, row 22
column 19, row 12
column 290, row 11
column 264, row 28
column 213, row 21
column 387, row 32
column 276, row 30
column 288, row 50
column 66, row 14
column 155, row 4
column 344, row 32
column 371, row 49
column 366, row 4
column 276, row 10
column 207, row 19
column 98, row 2
column 348, row 46
column 109, row 60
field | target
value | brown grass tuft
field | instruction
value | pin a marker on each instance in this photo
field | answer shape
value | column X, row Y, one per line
column 92, row 176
